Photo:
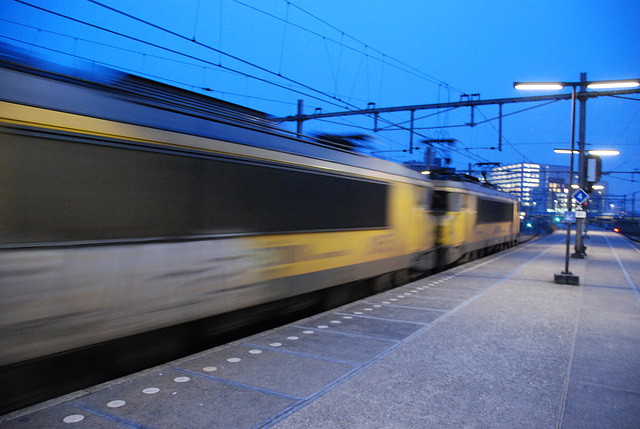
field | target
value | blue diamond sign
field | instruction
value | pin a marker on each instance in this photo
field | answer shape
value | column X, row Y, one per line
column 580, row 196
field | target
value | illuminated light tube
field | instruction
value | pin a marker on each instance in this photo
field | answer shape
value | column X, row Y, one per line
column 541, row 85
column 597, row 187
column 567, row 151
column 604, row 152
column 611, row 85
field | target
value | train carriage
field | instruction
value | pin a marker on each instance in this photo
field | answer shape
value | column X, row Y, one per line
column 473, row 218
column 130, row 206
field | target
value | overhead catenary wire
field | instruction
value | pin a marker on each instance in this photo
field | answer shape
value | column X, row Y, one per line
column 327, row 97
column 348, row 104
column 405, row 67
column 415, row 71
column 142, row 73
column 193, row 57
column 234, row 57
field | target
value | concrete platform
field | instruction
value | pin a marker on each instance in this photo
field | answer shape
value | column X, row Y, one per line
column 492, row 344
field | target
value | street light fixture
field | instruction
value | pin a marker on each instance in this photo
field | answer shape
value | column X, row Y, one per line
column 604, row 152
column 599, row 152
column 566, row 277
column 614, row 84
column 601, row 84
column 538, row 85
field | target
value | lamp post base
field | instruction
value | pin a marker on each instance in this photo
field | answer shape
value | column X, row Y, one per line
column 566, row 279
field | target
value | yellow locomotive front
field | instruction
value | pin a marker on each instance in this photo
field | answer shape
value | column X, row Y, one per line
column 473, row 219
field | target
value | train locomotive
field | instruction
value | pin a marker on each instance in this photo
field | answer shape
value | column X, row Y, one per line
column 474, row 218
column 129, row 206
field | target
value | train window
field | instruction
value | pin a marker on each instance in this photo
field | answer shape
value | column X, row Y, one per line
column 494, row 211
column 62, row 190
column 455, row 202
column 440, row 201
column 444, row 201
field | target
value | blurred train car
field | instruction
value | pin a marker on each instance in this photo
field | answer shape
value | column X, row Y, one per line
column 129, row 206
column 473, row 218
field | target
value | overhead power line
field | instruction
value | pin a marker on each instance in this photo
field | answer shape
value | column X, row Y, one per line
column 183, row 54
column 405, row 67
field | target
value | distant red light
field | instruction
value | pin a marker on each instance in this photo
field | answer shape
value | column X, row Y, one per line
column 616, row 230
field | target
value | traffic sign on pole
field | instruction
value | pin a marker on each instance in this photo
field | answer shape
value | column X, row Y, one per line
column 580, row 196
column 569, row 217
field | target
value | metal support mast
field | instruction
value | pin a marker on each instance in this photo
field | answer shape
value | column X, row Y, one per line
column 582, row 165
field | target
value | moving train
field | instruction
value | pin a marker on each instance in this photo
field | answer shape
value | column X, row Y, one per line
column 129, row 206
column 473, row 218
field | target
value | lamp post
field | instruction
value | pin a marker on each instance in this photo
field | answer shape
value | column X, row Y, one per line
column 566, row 277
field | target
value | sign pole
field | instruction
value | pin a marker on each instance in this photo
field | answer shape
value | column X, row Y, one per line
column 567, row 277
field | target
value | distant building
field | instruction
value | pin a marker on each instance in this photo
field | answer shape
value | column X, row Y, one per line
column 540, row 188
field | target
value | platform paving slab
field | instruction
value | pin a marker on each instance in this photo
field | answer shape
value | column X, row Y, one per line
column 323, row 344
column 417, row 301
column 368, row 325
column 397, row 312
column 268, row 370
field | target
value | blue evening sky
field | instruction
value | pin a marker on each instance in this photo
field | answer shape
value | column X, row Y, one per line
column 341, row 55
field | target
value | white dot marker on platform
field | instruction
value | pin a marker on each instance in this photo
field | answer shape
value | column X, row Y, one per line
column 336, row 322
column 358, row 312
column 293, row 338
column 322, row 326
column 377, row 306
column 234, row 360
column 347, row 317
column 73, row 418
column 209, row 368
column 116, row 404
column 255, row 352
column 307, row 332
column 151, row 390
column 181, row 379
column 275, row 344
